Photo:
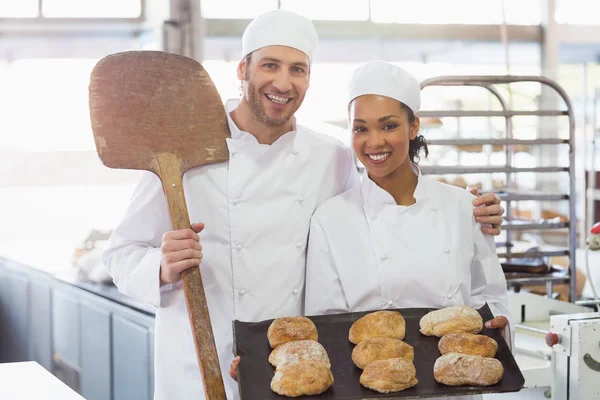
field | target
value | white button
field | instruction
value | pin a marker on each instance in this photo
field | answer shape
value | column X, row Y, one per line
column 434, row 209
column 300, row 199
column 235, row 201
column 372, row 215
column 446, row 251
column 233, row 152
column 449, row 296
column 383, row 257
column 295, row 152
column 295, row 291
column 299, row 245
column 390, row 303
column 239, row 247
column 242, row 292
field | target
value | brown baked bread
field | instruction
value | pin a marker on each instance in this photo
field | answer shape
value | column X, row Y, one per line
column 468, row 343
column 289, row 329
column 391, row 375
column 454, row 369
column 379, row 324
column 374, row 349
column 457, row 319
column 301, row 379
column 299, row 351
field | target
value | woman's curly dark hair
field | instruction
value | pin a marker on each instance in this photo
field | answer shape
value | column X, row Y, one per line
column 418, row 144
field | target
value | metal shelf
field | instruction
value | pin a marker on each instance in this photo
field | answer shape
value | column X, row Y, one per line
column 511, row 147
column 483, row 142
column 509, row 196
column 442, row 169
column 535, row 254
column 474, row 113
column 524, row 226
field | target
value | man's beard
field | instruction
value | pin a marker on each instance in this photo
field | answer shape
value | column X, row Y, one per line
column 254, row 97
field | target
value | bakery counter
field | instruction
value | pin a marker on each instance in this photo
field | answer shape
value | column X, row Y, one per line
column 96, row 340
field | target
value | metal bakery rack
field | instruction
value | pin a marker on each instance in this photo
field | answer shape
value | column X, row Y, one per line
column 513, row 225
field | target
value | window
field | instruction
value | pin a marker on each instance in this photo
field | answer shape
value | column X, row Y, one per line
column 577, row 12
column 18, row 8
column 329, row 10
column 236, row 9
column 91, row 8
column 456, row 12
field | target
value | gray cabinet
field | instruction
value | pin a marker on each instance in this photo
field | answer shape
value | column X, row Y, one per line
column 66, row 337
column 132, row 372
column 95, row 351
column 40, row 335
column 99, row 347
column 15, row 317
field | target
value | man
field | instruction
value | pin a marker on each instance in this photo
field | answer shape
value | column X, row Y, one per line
column 255, row 211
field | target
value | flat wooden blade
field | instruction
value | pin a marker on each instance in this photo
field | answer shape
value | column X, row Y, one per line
column 146, row 103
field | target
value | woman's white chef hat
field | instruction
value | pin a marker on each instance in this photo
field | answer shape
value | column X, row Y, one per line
column 385, row 79
column 280, row 28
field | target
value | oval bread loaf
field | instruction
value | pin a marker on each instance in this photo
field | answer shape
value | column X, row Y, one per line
column 289, row 329
column 379, row 324
column 391, row 375
column 301, row 379
column 455, row 369
column 299, row 351
column 457, row 319
column 468, row 343
column 374, row 349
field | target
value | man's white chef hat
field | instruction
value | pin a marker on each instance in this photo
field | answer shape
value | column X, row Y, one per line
column 385, row 79
column 280, row 28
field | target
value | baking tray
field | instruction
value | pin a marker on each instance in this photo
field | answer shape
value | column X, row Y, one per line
column 255, row 372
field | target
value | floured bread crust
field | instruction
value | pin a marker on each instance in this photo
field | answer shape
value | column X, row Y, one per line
column 375, row 349
column 379, row 324
column 457, row 319
column 455, row 369
column 299, row 352
column 301, row 379
column 391, row 375
column 468, row 343
column 288, row 329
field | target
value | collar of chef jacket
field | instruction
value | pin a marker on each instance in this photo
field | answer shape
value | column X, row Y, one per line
column 241, row 139
column 376, row 198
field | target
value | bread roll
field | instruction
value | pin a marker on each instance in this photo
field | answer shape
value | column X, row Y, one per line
column 379, row 324
column 301, row 379
column 289, row 329
column 299, row 351
column 455, row 369
column 468, row 343
column 457, row 319
column 391, row 375
column 374, row 349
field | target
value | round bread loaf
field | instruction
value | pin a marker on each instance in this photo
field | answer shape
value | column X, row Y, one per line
column 299, row 351
column 301, row 379
column 468, row 343
column 454, row 369
column 374, row 349
column 289, row 329
column 457, row 319
column 391, row 375
column 379, row 324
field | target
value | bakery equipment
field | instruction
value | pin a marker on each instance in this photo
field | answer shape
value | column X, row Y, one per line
column 255, row 372
column 557, row 346
column 513, row 226
column 161, row 112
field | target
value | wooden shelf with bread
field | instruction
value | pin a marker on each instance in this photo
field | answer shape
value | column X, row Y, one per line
column 539, row 233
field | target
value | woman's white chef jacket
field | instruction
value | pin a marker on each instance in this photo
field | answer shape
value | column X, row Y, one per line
column 367, row 253
column 257, row 209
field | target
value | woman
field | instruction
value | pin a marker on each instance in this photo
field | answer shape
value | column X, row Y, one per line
column 399, row 239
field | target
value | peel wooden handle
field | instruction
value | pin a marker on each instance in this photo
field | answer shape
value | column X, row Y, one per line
column 208, row 360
